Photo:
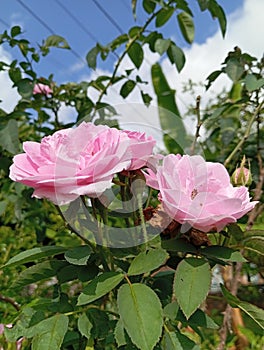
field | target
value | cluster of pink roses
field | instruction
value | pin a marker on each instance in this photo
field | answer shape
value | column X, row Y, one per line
column 85, row 159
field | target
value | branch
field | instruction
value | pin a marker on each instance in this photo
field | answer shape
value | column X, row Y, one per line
column 246, row 135
column 10, row 301
column 198, row 126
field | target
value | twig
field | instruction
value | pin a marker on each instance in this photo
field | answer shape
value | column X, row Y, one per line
column 198, row 126
column 246, row 135
column 10, row 301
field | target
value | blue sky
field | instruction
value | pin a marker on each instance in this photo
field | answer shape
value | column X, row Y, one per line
column 94, row 25
column 245, row 29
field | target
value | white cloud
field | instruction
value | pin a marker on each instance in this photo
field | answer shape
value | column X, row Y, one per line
column 8, row 95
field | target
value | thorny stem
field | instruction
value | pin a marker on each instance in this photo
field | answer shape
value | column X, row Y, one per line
column 198, row 126
column 246, row 135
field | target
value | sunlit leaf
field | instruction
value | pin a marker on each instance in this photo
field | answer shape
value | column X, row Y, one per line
column 191, row 284
column 34, row 254
column 78, row 255
column 100, row 286
column 56, row 41
column 148, row 261
column 141, row 314
column 176, row 56
column 187, row 26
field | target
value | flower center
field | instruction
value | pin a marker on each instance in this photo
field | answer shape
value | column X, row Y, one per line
column 194, row 193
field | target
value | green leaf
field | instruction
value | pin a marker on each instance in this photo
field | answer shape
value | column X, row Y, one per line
column 15, row 74
column 127, row 88
column 56, row 41
column 16, row 30
column 149, row 6
column 99, row 286
column 170, row 341
column 49, row 333
column 223, row 253
column 25, row 88
column 34, row 254
column 191, row 284
column 38, row 272
column 234, row 70
column 134, row 6
column 217, row 12
column 162, row 45
column 78, row 255
column 169, row 114
column 203, row 4
column 252, row 311
column 9, row 137
column 177, row 341
column 120, row 334
column 178, row 245
column 254, row 244
column 141, row 314
column 186, row 26
column 91, row 57
column 176, row 56
column 146, row 98
column 253, row 83
column 164, row 15
column 136, row 54
column 212, row 77
column 84, row 326
column 148, row 261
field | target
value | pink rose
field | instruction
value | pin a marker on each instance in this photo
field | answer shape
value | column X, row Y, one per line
column 141, row 147
column 199, row 194
column 42, row 89
column 73, row 162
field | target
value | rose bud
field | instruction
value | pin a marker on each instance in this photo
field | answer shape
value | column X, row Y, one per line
column 241, row 177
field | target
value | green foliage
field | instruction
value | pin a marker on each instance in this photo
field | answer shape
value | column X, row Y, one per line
column 63, row 292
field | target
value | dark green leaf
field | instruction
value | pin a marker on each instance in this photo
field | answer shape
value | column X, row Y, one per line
column 34, row 254
column 191, row 284
column 203, row 4
column 100, row 286
column 146, row 98
column 149, row 6
column 134, row 6
column 121, row 39
column 136, row 54
column 178, row 245
column 164, row 15
column 141, row 314
column 212, row 77
column 9, row 137
column 176, row 56
column 16, row 30
column 177, row 341
column 217, row 12
column 15, row 74
column 162, row 45
column 169, row 114
column 91, row 57
column 223, row 253
column 187, row 26
column 56, row 41
column 127, row 88
column 78, row 255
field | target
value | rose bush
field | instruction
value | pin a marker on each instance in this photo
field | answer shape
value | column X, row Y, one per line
column 199, row 194
column 79, row 161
